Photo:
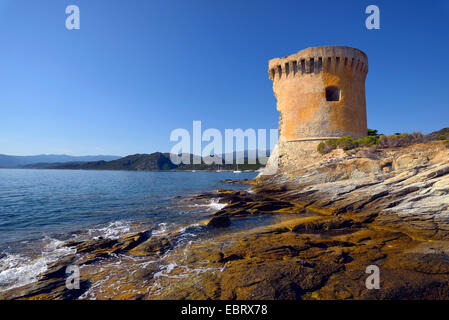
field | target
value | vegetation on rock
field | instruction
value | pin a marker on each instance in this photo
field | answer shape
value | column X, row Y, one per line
column 347, row 143
column 397, row 140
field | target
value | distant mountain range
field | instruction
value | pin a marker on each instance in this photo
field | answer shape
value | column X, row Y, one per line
column 141, row 162
column 137, row 162
column 156, row 161
column 21, row 161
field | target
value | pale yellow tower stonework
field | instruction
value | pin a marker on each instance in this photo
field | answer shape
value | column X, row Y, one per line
column 320, row 94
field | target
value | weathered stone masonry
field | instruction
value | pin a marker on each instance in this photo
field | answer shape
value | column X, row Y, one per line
column 320, row 94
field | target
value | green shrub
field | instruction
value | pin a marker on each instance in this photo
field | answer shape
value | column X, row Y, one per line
column 373, row 139
column 446, row 143
column 347, row 143
column 332, row 143
column 443, row 136
column 372, row 133
column 327, row 146
column 400, row 140
column 368, row 141
column 321, row 148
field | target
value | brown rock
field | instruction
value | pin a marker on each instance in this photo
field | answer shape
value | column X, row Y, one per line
column 407, row 161
column 219, row 222
column 152, row 246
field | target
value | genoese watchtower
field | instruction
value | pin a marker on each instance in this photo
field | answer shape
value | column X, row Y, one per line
column 320, row 94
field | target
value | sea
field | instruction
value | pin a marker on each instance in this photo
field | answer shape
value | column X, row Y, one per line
column 40, row 210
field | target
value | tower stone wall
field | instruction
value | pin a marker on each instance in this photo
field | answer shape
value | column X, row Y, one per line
column 320, row 94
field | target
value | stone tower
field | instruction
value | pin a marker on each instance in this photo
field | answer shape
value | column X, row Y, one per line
column 320, row 94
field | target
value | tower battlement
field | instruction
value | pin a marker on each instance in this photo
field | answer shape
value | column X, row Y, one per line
column 332, row 59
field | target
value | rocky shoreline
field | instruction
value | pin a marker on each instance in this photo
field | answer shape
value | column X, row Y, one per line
column 305, row 234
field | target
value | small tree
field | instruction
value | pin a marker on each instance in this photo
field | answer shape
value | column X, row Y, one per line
column 347, row 143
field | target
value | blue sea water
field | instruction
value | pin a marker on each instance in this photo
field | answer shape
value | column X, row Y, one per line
column 38, row 203
column 39, row 208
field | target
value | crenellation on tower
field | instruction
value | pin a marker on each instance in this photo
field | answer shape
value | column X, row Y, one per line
column 317, row 59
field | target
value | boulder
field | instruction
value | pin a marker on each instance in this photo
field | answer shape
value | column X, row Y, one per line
column 407, row 161
column 219, row 222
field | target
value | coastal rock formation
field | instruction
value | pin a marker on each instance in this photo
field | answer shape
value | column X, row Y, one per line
column 382, row 207
column 405, row 187
column 310, row 233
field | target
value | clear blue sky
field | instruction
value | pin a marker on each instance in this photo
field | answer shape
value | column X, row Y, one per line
column 138, row 69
